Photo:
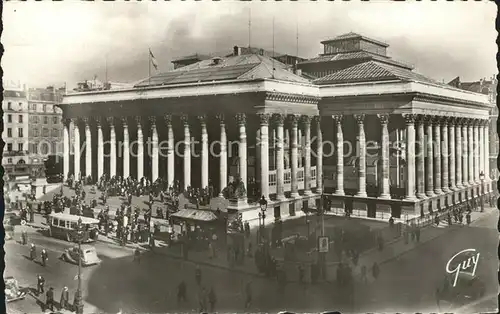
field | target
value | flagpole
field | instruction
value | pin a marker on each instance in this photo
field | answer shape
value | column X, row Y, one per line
column 149, row 66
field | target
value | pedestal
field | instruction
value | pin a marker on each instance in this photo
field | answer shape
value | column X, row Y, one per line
column 39, row 186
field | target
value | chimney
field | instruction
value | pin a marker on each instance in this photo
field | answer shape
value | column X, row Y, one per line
column 299, row 72
column 261, row 52
column 236, row 51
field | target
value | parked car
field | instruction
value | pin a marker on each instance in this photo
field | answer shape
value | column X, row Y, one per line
column 12, row 290
column 87, row 255
column 468, row 289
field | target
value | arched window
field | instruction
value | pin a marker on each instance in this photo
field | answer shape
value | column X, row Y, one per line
column 21, row 162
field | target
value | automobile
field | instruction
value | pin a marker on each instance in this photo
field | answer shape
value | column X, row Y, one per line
column 12, row 290
column 468, row 289
column 87, row 255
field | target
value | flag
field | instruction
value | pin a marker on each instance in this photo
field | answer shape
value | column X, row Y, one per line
column 153, row 60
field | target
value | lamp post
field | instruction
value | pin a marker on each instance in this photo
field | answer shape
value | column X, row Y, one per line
column 78, row 297
column 481, row 177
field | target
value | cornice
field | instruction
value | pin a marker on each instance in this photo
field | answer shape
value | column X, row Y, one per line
column 294, row 98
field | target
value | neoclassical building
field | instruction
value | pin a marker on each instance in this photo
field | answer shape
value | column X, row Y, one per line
column 392, row 140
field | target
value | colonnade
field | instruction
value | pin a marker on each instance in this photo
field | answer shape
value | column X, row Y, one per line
column 448, row 157
column 275, row 122
column 443, row 154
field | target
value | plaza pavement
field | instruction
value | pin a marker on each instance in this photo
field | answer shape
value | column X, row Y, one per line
column 392, row 249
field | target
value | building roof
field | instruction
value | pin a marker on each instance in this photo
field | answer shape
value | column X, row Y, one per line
column 352, row 35
column 356, row 55
column 373, row 71
column 195, row 214
column 14, row 94
column 192, row 57
column 244, row 67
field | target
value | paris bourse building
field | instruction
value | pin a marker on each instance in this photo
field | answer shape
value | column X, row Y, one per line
column 394, row 141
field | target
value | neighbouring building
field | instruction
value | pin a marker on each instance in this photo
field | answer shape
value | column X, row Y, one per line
column 486, row 87
column 15, row 159
column 270, row 119
column 45, row 132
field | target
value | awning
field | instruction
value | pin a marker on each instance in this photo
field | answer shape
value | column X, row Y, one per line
column 195, row 214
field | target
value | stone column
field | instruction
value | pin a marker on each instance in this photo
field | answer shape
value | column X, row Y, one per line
column 187, row 151
column 112, row 150
column 306, row 121
column 155, row 158
column 465, row 154
column 470, row 150
column 294, row 161
column 458, row 153
column 264, row 155
column 66, row 125
column 223, row 153
column 88, row 147
column 430, row 157
column 126, row 149
column 170, row 151
column 360, row 118
column 410, row 156
column 76, row 144
column 319, row 156
column 280, row 162
column 340, row 155
column 384, row 157
column 437, row 154
column 420, row 157
column 481, row 146
column 444, row 155
column 487, row 178
column 140, row 149
column 204, row 151
column 475, row 130
column 452, row 151
column 100, row 149
column 242, row 149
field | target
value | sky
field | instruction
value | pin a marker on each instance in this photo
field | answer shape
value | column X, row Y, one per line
column 50, row 43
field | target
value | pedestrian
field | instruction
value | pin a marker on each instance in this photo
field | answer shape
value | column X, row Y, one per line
column 212, row 299
column 45, row 257
column 24, row 237
column 202, row 300
column 63, row 303
column 137, row 255
column 301, row 274
column 364, row 278
column 49, row 303
column 467, row 218
column 197, row 275
column 248, row 294
column 181, row 292
column 33, row 252
column 40, row 284
column 375, row 270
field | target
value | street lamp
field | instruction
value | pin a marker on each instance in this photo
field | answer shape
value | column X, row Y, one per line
column 78, row 297
column 481, row 177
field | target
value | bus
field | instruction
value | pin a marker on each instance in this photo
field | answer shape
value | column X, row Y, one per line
column 64, row 226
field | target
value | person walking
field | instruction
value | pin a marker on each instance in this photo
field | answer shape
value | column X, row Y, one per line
column 24, row 237
column 137, row 255
column 197, row 275
column 364, row 278
column 212, row 299
column 375, row 270
column 45, row 257
column 49, row 302
column 63, row 303
column 32, row 252
column 248, row 294
column 40, row 284
column 181, row 292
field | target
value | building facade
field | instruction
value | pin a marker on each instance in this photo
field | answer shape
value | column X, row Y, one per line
column 391, row 140
column 16, row 125
column 45, row 120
